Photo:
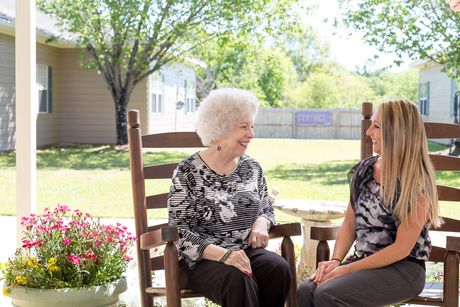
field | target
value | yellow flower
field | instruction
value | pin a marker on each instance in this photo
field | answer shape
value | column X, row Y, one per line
column 1, row 266
column 32, row 262
column 54, row 268
column 22, row 280
column 6, row 264
column 6, row 291
column 52, row 261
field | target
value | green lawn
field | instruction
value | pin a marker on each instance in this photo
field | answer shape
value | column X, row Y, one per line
column 96, row 179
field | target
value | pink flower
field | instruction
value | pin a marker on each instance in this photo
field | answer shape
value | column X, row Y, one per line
column 66, row 241
column 74, row 259
column 63, row 208
column 90, row 256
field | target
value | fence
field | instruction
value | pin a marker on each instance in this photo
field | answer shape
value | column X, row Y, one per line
column 308, row 124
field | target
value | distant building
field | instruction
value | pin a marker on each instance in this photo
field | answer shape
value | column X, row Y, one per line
column 436, row 91
column 74, row 104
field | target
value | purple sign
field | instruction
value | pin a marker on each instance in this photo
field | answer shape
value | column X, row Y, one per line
column 313, row 118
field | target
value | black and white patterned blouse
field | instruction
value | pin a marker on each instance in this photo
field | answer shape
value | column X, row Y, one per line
column 209, row 208
column 375, row 224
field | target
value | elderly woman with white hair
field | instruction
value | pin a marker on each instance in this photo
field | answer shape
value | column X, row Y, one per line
column 219, row 202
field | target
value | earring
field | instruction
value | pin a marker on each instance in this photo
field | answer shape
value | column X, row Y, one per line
column 219, row 148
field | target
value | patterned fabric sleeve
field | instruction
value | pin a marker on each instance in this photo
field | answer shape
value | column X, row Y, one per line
column 357, row 175
column 181, row 211
column 266, row 209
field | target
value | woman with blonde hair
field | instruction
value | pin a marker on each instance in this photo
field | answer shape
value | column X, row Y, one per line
column 219, row 202
column 393, row 202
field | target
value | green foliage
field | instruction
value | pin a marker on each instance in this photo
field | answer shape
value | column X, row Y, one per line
column 388, row 85
column 61, row 251
column 238, row 61
column 342, row 89
column 423, row 29
column 331, row 90
column 306, row 50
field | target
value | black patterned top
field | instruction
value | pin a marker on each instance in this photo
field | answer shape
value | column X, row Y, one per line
column 209, row 208
column 375, row 224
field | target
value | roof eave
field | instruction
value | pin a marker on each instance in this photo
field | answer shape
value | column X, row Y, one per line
column 42, row 36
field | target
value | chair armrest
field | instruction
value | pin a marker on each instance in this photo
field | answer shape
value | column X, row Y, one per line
column 158, row 237
column 285, row 230
column 324, row 233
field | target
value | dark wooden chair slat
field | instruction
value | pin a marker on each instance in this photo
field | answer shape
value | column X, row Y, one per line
column 162, row 171
column 171, row 140
column 157, row 201
column 445, row 163
column 442, row 131
column 450, row 224
column 448, row 193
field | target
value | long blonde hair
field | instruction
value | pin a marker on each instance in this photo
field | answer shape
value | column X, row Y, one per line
column 405, row 160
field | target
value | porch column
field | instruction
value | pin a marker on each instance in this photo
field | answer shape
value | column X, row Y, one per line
column 26, row 111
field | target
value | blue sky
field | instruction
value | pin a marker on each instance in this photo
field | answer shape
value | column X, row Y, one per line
column 350, row 51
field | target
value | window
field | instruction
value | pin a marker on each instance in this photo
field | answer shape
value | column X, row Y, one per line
column 453, row 92
column 424, row 98
column 156, row 93
column 44, row 87
column 190, row 96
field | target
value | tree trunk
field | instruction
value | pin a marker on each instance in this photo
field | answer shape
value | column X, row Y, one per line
column 120, row 118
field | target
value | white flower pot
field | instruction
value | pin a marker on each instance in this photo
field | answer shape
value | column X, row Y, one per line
column 97, row 296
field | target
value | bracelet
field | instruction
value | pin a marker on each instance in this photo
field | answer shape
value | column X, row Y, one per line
column 225, row 256
column 340, row 261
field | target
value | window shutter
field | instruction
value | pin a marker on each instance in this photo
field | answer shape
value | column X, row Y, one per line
column 427, row 98
column 50, row 89
column 420, row 85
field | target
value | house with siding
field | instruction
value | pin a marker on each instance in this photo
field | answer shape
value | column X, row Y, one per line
column 74, row 104
column 436, row 93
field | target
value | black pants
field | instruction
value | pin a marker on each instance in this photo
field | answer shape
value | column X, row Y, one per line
column 229, row 287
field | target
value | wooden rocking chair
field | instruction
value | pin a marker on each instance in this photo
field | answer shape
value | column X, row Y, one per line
column 449, row 254
column 154, row 236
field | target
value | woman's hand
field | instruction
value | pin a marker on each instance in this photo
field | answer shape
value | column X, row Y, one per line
column 324, row 268
column 239, row 260
column 259, row 233
column 333, row 274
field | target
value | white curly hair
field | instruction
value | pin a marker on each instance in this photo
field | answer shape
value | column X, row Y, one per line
column 221, row 109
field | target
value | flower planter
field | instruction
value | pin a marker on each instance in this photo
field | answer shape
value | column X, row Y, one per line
column 69, row 297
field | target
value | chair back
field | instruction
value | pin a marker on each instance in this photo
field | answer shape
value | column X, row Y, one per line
column 450, row 253
column 150, row 236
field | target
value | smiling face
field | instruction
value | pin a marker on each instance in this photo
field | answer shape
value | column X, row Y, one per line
column 375, row 132
column 239, row 137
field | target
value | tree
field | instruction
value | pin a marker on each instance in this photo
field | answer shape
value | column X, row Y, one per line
column 128, row 40
column 258, row 61
column 244, row 62
column 306, row 50
column 423, row 29
column 331, row 89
